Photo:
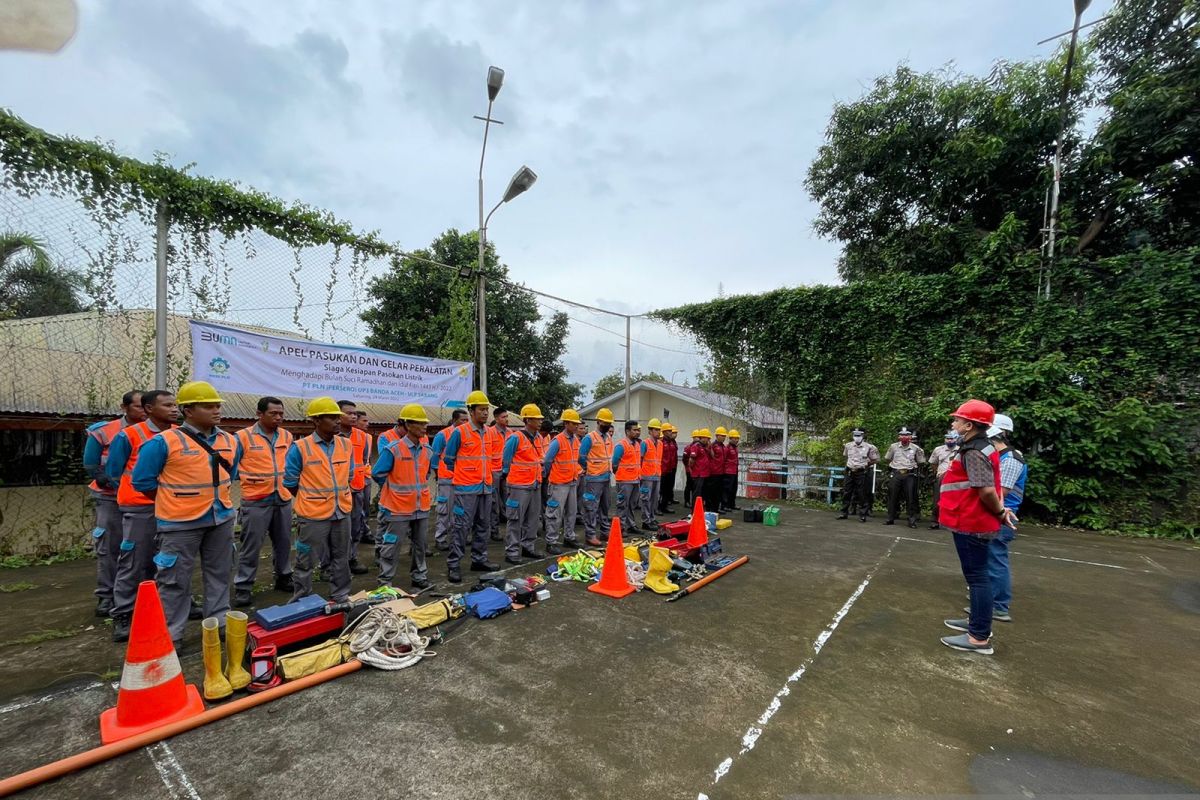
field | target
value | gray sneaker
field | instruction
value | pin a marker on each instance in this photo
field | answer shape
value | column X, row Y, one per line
column 963, row 642
column 956, row 624
column 999, row 616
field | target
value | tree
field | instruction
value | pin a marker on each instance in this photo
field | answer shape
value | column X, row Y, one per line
column 614, row 382
column 428, row 310
column 915, row 173
column 30, row 284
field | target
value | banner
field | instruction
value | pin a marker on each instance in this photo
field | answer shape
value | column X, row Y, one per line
column 238, row 360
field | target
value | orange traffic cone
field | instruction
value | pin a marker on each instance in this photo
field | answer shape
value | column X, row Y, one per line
column 152, row 690
column 614, row 581
column 697, row 531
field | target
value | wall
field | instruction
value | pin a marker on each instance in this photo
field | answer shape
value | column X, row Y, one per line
column 43, row 520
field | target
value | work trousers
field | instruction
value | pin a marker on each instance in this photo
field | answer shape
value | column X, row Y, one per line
column 689, row 491
column 445, row 500
column 628, row 500
column 521, row 509
column 997, row 567
column 650, row 499
column 596, row 521
column 937, row 497
column 135, row 561
column 580, row 511
column 729, row 491
column 666, row 497
column 361, row 500
column 106, row 542
column 262, row 519
column 177, row 554
column 973, row 556
column 855, row 487
column 500, row 489
column 709, row 490
column 903, row 484
column 560, row 513
column 323, row 541
column 472, row 516
column 543, row 494
column 391, row 535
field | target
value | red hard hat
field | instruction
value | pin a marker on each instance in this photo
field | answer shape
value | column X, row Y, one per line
column 976, row 411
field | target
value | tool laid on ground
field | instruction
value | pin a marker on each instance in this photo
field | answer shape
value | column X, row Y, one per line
column 275, row 617
column 708, row 579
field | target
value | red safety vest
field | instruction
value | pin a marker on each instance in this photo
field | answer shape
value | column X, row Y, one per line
column 407, row 487
column 526, row 467
column 104, row 436
column 630, row 467
column 652, row 459
column 138, row 435
column 959, row 506
column 261, row 469
column 565, row 467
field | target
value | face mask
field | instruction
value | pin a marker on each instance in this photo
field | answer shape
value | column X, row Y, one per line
column 905, row 440
column 858, row 437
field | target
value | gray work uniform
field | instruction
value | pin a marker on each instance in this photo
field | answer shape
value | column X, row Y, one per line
column 499, row 504
column 628, row 499
column 398, row 527
column 135, row 559
column 106, row 542
column 177, row 553
column 650, row 489
column 471, row 510
column 560, row 513
column 321, row 541
column 445, row 500
column 265, row 517
column 521, row 508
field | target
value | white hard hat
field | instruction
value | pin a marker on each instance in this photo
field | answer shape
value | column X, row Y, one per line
column 1000, row 424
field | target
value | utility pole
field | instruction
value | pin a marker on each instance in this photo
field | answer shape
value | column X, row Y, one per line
column 160, row 295
column 627, row 363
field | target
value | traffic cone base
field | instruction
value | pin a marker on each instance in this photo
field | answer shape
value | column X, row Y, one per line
column 152, row 690
column 614, row 580
column 697, row 531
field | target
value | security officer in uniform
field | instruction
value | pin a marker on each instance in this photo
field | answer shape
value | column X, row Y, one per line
column 939, row 462
column 402, row 472
column 189, row 471
column 860, row 455
column 904, row 458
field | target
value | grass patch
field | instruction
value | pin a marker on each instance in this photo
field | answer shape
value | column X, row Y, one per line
column 70, row 554
column 42, row 636
column 22, row 586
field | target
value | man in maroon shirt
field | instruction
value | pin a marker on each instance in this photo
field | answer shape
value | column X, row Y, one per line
column 670, row 462
column 701, row 461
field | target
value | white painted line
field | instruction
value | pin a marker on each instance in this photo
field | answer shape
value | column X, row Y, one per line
column 1156, row 565
column 754, row 732
column 37, row 701
column 1014, row 552
column 171, row 771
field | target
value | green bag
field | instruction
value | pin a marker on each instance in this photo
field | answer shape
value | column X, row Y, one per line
column 771, row 515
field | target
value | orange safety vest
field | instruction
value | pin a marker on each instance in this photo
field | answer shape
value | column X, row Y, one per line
column 187, row 488
column 261, row 468
column 138, row 435
column 473, row 464
column 496, row 442
column 322, row 484
column 630, row 468
column 599, row 458
column 360, row 447
column 526, row 467
column 388, row 437
column 444, row 473
column 104, row 435
column 652, row 459
column 566, row 461
column 406, row 490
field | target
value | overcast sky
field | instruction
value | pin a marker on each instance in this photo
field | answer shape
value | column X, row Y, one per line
column 670, row 139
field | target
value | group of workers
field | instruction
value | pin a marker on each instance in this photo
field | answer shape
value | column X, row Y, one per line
column 163, row 473
column 979, row 484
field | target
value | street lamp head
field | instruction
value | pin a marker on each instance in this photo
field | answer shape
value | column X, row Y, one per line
column 1081, row 6
column 524, row 178
column 494, row 82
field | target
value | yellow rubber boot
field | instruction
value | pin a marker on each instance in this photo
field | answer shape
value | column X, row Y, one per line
column 656, row 576
column 235, row 647
column 216, row 686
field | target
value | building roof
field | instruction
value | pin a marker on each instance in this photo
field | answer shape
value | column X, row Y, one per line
column 755, row 414
column 81, row 364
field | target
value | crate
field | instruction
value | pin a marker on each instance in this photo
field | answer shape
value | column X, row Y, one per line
column 678, row 529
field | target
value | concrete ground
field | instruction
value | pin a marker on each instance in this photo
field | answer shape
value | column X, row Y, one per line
column 814, row 669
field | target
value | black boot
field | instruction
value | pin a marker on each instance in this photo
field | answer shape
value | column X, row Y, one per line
column 121, row 625
column 104, row 607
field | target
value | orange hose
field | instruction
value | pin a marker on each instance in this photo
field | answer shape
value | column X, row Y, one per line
column 96, row 755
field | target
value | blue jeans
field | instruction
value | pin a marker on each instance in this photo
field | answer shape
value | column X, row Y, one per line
column 997, row 568
column 973, row 555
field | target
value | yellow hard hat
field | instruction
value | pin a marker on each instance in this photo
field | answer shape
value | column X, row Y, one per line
column 413, row 412
column 571, row 415
column 705, row 433
column 695, row 433
column 667, row 427
column 721, row 430
column 477, row 398
column 733, row 434
column 655, row 422
column 531, row 411
column 604, row 415
column 196, row 392
column 322, row 407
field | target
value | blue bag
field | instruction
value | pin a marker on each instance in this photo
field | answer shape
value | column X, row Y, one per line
column 488, row 602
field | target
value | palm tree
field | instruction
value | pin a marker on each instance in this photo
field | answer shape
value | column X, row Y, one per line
column 30, row 284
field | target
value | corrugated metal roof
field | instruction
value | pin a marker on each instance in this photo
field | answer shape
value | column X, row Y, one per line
column 727, row 405
column 81, row 364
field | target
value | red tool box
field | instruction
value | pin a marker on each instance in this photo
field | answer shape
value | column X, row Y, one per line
column 679, row 528
column 300, row 631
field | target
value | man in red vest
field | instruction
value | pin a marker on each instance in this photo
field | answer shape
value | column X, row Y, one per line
column 266, row 509
column 972, row 509
column 106, row 535
column 139, row 533
column 402, row 473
